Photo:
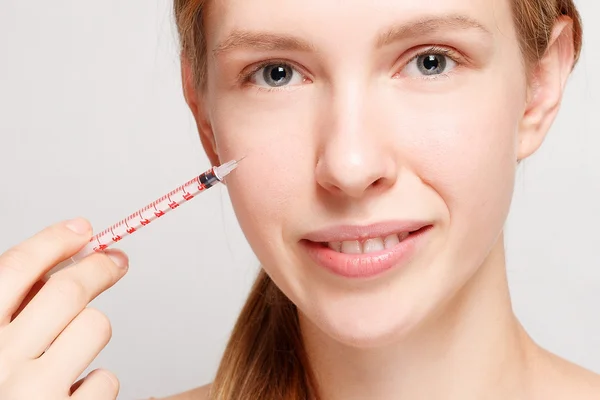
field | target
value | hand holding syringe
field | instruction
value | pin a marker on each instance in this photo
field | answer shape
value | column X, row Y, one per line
column 48, row 333
column 146, row 215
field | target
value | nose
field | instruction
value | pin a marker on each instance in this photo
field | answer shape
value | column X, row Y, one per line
column 356, row 155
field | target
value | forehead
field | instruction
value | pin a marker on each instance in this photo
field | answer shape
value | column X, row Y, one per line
column 335, row 21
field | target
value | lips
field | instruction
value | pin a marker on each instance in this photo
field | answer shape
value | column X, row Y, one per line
column 365, row 251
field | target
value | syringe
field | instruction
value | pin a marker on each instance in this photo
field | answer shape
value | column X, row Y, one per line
column 151, row 212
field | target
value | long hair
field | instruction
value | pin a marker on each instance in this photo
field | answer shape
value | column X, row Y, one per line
column 265, row 357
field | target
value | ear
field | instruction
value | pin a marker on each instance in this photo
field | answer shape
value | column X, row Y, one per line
column 546, row 88
column 195, row 101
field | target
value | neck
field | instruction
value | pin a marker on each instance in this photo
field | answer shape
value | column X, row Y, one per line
column 474, row 349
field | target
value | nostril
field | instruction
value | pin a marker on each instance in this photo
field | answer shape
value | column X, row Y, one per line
column 332, row 188
column 378, row 183
column 352, row 178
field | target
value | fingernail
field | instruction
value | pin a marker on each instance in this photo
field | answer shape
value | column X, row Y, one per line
column 119, row 258
column 79, row 226
column 110, row 377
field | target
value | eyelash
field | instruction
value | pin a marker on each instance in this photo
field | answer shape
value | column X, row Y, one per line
column 441, row 51
column 245, row 76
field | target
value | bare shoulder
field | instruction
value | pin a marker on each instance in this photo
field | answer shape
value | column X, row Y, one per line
column 561, row 379
column 200, row 393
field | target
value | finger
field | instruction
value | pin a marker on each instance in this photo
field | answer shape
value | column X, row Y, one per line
column 32, row 293
column 60, row 300
column 77, row 346
column 98, row 385
column 22, row 265
column 76, row 386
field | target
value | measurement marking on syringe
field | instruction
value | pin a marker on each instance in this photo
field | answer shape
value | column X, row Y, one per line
column 172, row 205
column 115, row 238
column 130, row 230
column 158, row 213
column 144, row 221
column 134, row 222
column 167, row 199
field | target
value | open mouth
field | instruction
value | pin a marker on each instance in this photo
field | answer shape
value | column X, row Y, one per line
column 363, row 255
column 371, row 245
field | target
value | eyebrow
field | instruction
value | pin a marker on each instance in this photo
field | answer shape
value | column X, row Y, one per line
column 267, row 41
column 429, row 25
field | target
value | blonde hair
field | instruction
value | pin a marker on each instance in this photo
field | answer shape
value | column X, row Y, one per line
column 265, row 357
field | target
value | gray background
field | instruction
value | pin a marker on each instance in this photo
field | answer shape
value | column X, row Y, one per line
column 93, row 123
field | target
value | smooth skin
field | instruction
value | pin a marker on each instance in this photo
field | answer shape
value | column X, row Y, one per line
column 358, row 136
column 386, row 340
column 48, row 334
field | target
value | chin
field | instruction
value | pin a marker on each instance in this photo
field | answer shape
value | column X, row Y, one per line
column 364, row 324
column 368, row 332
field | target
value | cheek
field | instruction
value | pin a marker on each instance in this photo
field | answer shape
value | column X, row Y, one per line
column 266, row 189
column 271, row 130
column 472, row 155
column 468, row 157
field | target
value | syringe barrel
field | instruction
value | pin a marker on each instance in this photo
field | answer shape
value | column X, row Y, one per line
column 146, row 215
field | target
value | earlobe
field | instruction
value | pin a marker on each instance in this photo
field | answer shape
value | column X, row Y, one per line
column 194, row 100
column 546, row 87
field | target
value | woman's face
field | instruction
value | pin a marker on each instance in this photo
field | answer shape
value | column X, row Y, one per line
column 361, row 121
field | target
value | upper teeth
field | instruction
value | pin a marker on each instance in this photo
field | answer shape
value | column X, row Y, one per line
column 368, row 246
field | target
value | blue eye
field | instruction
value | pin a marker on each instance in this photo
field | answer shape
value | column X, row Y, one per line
column 430, row 64
column 276, row 75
